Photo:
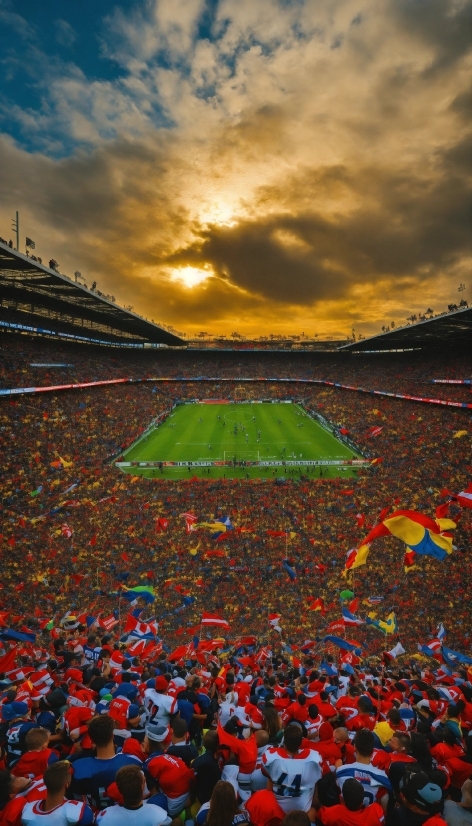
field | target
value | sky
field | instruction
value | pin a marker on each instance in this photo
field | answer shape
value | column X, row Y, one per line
column 258, row 166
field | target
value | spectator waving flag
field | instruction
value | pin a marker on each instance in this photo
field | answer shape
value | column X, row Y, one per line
column 389, row 626
column 464, row 498
column 351, row 619
column 421, row 533
column 190, row 520
column 214, row 619
column 144, row 592
column 135, row 628
column 289, row 570
column 274, row 622
column 440, row 631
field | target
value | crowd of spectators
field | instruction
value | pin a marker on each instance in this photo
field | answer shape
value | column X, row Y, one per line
column 75, row 529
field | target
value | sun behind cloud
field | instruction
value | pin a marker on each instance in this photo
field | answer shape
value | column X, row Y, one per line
column 190, row 276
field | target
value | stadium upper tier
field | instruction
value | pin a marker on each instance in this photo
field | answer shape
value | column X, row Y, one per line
column 41, row 297
column 454, row 328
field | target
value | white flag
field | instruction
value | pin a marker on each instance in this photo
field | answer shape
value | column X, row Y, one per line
column 395, row 652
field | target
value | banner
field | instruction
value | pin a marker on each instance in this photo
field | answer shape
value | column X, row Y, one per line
column 49, row 388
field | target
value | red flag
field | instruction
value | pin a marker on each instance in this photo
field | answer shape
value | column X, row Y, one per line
column 7, row 662
column 20, row 586
column 162, row 524
column 214, row 619
column 360, row 520
column 317, row 605
column 77, row 578
column 93, row 540
column 125, row 557
column 383, row 513
column 353, row 605
column 442, row 511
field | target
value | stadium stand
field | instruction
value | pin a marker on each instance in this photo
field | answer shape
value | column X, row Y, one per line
column 134, row 639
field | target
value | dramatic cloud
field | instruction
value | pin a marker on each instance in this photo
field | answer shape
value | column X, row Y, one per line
column 269, row 166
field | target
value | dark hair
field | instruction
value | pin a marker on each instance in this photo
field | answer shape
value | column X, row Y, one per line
column 301, row 699
column 126, row 664
column 126, row 678
column 448, row 736
column 129, row 780
column 101, row 730
column 272, row 721
column 293, row 737
column 296, row 818
column 57, row 776
column 223, row 805
column 6, row 778
column 364, row 742
column 394, row 716
column 419, row 749
column 353, row 794
column 210, row 741
column 179, row 727
column 313, row 711
column 404, row 740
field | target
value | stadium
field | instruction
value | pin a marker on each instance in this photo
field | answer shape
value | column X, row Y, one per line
column 202, row 516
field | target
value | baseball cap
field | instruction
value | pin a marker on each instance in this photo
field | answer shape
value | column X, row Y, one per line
column 157, row 733
column 161, row 684
column 15, row 709
column 421, row 791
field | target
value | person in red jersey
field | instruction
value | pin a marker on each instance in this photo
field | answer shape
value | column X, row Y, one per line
column 15, row 792
column 341, row 739
column 297, row 711
column 364, row 718
column 38, row 756
column 352, row 811
column 263, row 809
column 328, row 750
column 174, row 779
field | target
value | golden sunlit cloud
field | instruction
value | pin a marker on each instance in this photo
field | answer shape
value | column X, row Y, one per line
column 307, row 168
column 190, row 276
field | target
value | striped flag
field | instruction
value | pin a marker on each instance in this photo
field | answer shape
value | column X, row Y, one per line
column 214, row 619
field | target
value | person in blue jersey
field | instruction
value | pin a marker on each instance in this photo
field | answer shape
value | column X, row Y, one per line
column 93, row 775
column 56, row 810
column 377, row 787
column 134, row 811
column 17, row 717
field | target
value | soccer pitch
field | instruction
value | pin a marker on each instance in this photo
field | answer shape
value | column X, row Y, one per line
column 235, row 433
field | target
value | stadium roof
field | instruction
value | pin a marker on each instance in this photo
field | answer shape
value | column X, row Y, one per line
column 30, row 287
column 454, row 328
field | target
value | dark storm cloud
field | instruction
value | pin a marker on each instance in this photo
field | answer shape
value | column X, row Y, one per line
column 401, row 228
column 444, row 25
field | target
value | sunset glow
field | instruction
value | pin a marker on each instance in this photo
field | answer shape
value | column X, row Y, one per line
column 277, row 166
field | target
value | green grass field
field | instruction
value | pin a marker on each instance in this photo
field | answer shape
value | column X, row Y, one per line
column 242, row 432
